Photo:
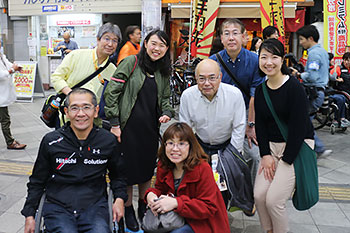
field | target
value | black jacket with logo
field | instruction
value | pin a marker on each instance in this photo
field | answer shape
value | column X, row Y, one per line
column 73, row 172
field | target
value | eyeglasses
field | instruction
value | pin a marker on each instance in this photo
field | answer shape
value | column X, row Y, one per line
column 180, row 145
column 211, row 79
column 234, row 34
column 85, row 108
column 108, row 40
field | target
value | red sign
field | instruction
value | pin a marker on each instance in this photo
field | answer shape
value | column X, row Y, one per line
column 73, row 22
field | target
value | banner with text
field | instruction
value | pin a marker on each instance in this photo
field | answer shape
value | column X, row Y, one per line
column 24, row 81
column 336, row 27
column 204, row 14
column 272, row 13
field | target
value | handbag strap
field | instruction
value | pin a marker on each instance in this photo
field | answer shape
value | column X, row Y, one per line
column 232, row 76
column 281, row 125
column 91, row 76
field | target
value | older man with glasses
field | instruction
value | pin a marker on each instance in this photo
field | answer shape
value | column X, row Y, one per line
column 215, row 110
column 81, row 63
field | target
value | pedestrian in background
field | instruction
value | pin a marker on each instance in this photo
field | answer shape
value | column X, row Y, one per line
column 270, row 32
column 184, row 172
column 8, row 96
column 132, row 46
column 66, row 46
column 275, row 180
column 256, row 42
column 137, row 100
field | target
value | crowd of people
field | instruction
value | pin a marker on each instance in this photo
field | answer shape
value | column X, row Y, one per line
column 227, row 108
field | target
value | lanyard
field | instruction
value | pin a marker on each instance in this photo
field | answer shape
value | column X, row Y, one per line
column 102, row 81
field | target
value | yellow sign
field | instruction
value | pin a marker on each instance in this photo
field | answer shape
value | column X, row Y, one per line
column 336, row 27
column 24, row 80
column 272, row 13
column 204, row 14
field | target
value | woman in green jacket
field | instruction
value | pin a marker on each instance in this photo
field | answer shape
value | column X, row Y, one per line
column 137, row 100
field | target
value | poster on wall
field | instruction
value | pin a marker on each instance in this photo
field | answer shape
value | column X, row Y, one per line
column 336, row 27
column 24, row 81
column 62, row 30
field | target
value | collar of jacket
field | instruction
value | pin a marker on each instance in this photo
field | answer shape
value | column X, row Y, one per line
column 168, row 177
column 68, row 132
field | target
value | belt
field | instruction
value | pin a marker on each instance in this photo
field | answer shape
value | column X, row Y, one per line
column 213, row 147
column 319, row 88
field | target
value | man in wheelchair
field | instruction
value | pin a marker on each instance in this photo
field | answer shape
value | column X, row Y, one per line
column 71, row 169
column 340, row 82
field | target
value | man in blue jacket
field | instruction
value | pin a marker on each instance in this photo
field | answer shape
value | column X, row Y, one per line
column 316, row 73
column 71, row 169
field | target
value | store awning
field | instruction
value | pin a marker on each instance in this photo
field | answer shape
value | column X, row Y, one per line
column 232, row 10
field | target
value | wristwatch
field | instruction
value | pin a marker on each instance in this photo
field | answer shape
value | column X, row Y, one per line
column 251, row 124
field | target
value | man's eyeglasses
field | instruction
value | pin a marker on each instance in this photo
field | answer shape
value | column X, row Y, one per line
column 234, row 34
column 211, row 79
column 180, row 145
column 85, row 108
column 108, row 40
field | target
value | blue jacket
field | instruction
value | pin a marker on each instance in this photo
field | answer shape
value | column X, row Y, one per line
column 317, row 67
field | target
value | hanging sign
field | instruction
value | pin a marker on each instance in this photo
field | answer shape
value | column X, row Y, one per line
column 204, row 14
column 272, row 13
column 336, row 27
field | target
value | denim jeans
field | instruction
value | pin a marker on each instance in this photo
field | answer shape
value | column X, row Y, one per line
column 185, row 229
column 94, row 219
column 340, row 101
column 314, row 106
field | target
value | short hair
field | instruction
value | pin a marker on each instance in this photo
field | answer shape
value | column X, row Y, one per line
column 130, row 30
column 109, row 28
column 268, row 31
column 196, row 153
column 346, row 56
column 309, row 31
column 81, row 91
column 330, row 56
column 275, row 47
column 232, row 21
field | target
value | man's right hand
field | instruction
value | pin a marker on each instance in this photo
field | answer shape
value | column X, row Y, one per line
column 117, row 132
column 29, row 225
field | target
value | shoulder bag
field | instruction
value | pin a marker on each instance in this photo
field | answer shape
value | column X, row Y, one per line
column 233, row 77
column 306, row 192
column 54, row 117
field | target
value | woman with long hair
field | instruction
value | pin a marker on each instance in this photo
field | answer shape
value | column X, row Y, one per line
column 137, row 101
column 256, row 42
column 275, row 180
column 185, row 184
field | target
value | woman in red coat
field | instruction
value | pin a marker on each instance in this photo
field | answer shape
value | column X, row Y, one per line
column 185, row 184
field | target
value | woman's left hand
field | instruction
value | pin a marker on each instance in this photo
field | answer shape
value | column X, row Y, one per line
column 165, row 204
column 164, row 119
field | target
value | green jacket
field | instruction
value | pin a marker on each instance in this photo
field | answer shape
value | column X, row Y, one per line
column 122, row 91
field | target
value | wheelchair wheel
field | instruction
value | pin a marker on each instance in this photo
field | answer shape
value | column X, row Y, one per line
column 39, row 223
column 332, row 128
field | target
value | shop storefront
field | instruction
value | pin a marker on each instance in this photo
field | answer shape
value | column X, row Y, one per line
column 246, row 10
column 48, row 20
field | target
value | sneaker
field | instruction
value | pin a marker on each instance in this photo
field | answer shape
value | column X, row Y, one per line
column 325, row 153
column 16, row 146
column 344, row 123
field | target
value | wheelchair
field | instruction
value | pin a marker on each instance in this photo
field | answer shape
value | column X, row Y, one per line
column 115, row 227
column 327, row 114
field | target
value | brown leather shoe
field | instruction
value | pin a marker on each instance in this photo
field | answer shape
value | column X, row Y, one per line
column 16, row 146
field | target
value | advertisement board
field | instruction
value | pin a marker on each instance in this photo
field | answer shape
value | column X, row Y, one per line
column 24, row 81
column 336, row 27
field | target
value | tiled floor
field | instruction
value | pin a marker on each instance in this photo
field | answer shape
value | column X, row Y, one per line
column 328, row 216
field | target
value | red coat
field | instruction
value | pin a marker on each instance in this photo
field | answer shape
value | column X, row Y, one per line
column 199, row 199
